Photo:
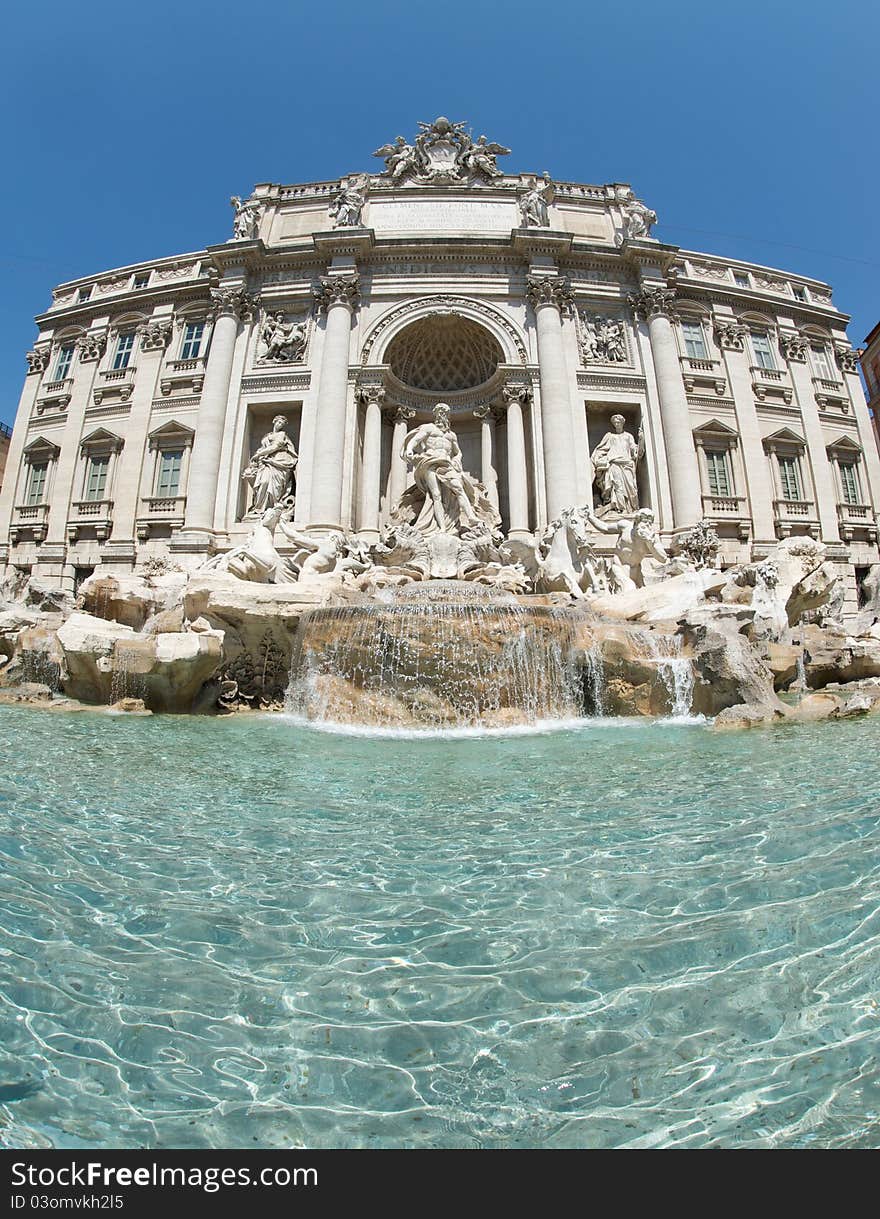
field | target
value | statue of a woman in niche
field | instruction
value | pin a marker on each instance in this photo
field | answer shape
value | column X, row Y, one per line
column 270, row 470
column 614, row 466
column 443, row 499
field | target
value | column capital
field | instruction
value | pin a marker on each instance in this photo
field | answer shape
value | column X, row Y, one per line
column 92, row 345
column 231, row 302
column 339, row 289
column 370, row 393
column 401, row 414
column 730, row 334
column 847, row 357
column 794, row 346
column 38, row 359
column 155, row 335
column 654, row 301
column 549, row 290
column 517, row 391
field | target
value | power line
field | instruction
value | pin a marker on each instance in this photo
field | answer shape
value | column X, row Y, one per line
column 788, row 245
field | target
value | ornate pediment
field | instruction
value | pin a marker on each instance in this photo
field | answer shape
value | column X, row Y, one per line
column 443, row 152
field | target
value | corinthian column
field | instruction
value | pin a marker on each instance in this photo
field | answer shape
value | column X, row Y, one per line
column 229, row 306
column 371, row 463
column 337, row 295
column 517, row 474
column 488, row 474
column 657, row 305
column 549, row 296
column 397, row 479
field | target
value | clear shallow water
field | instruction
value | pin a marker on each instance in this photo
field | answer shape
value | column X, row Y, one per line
column 243, row 932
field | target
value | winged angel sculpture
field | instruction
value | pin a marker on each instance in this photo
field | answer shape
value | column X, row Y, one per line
column 443, row 151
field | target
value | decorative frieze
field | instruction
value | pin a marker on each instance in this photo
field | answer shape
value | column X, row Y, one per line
column 339, row 289
column 656, row 301
column 549, row 290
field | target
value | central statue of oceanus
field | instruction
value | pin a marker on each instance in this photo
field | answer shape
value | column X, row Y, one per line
column 444, row 498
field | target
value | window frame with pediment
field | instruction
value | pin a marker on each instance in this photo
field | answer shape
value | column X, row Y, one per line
column 786, row 446
column 42, row 454
column 99, row 448
column 846, row 453
column 718, row 439
column 170, row 437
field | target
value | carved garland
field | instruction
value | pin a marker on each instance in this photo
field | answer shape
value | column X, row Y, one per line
column 443, row 304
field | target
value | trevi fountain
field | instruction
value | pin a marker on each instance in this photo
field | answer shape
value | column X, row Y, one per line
column 442, row 826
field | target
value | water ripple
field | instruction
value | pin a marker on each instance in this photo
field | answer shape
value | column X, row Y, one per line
column 244, row 932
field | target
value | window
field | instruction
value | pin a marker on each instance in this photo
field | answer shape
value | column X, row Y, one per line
column 36, row 484
column 170, row 463
column 800, row 294
column 142, row 279
column 84, row 293
column 790, row 477
column 694, row 340
column 124, row 348
column 821, row 363
column 63, row 363
column 762, row 349
column 849, row 482
column 741, row 279
column 718, row 471
column 192, row 340
column 96, row 477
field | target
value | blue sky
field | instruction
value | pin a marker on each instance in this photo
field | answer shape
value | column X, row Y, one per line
column 751, row 128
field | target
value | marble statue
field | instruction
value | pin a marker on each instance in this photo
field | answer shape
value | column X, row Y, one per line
column 534, row 204
column 244, row 222
column 443, row 498
column 270, row 470
column 256, row 559
column 399, row 157
column 637, row 540
column 479, row 158
column 347, row 206
column 282, row 341
column 614, row 465
column 637, row 218
column 566, row 562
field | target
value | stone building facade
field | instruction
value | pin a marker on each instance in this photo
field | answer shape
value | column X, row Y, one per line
column 538, row 310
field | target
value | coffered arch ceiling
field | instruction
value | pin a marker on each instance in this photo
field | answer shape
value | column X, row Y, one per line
column 444, row 353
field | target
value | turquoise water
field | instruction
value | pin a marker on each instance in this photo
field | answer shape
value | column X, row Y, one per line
column 241, row 932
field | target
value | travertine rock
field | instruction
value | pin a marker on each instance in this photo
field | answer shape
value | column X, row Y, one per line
column 131, row 599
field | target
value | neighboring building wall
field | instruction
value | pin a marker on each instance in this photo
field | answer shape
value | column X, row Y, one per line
column 870, row 361
column 149, row 387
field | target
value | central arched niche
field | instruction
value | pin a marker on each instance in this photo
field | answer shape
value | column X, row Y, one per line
column 443, row 353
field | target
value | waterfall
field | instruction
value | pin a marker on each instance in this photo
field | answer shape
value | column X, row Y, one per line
column 124, row 681
column 675, row 670
column 444, row 654
column 594, row 681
